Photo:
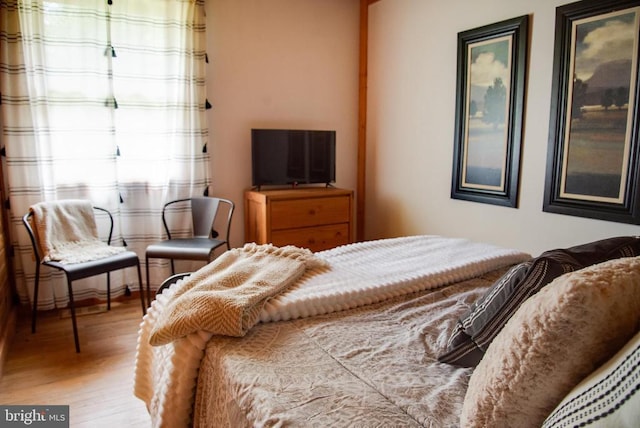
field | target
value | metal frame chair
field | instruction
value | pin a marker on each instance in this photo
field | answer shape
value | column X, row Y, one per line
column 75, row 271
column 204, row 240
column 171, row 280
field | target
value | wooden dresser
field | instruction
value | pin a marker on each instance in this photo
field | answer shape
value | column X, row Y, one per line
column 317, row 218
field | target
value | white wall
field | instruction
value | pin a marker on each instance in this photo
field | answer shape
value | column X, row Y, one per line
column 410, row 129
column 280, row 64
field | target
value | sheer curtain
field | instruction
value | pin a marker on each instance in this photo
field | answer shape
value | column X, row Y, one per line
column 101, row 100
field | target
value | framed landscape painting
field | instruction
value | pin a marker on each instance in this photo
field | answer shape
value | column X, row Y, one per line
column 489, row 108
column 592, row 163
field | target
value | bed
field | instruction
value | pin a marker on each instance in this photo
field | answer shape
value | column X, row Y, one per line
column 412, row 331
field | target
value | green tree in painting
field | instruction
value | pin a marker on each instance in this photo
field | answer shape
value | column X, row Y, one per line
column 621, row 96
column 473, row 108
column 607, row 98
column 495, row 103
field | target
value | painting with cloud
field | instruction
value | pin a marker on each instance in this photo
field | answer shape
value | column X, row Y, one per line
column 489, row 109
column 598, row 136
column 487, row 113
column 593, row 160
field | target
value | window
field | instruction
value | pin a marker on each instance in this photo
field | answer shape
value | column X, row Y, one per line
column 102, row 100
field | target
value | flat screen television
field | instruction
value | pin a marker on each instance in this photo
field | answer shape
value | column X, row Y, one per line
column 292, row 157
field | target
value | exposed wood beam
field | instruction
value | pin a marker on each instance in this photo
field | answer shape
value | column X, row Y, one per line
column 362, row 118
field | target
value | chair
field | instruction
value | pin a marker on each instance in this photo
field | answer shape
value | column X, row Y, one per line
column 171, row 280
column 75, row 271
column 203, row 240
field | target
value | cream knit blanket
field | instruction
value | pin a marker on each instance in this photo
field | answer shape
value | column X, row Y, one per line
column 226, row 296
column 66, row 232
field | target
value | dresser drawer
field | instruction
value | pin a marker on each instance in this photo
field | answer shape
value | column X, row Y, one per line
column 316, row 238
column 288, row 214
column 317, row 218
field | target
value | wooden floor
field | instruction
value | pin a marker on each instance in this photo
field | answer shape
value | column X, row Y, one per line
column 44, row 369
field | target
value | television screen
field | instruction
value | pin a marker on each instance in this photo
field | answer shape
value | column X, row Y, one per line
column 292, row 157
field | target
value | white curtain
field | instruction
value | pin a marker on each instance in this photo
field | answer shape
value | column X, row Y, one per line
column 102, row 100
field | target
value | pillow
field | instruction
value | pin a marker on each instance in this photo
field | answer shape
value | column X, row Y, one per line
column 609, row 397
column 486, row 317
column 554, row 340
column 461, row 349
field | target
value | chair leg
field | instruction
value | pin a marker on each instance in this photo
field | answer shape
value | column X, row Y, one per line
column 108, row 291
column 173, row 268
column 72, row 308
column 144, row 306
column 146, row 267
column 35, row 299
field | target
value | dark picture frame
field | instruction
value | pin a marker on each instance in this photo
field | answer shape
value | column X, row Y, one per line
column 490, row 93
column 592, row 158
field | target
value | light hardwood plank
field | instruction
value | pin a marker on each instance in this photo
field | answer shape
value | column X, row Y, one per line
column 44, row 369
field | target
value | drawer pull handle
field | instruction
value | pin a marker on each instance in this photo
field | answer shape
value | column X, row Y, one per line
column 312, row 212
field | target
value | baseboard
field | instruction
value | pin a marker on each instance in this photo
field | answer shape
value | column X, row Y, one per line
column 6, row 336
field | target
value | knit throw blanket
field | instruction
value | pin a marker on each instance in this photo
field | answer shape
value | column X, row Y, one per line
column 226, row 296
column 66, row 232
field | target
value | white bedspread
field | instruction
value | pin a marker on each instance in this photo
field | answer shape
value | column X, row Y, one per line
column 358, row 274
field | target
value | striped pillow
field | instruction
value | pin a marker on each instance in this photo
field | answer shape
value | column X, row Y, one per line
column 610, row 396
column 477, row 328
column 461, row 348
